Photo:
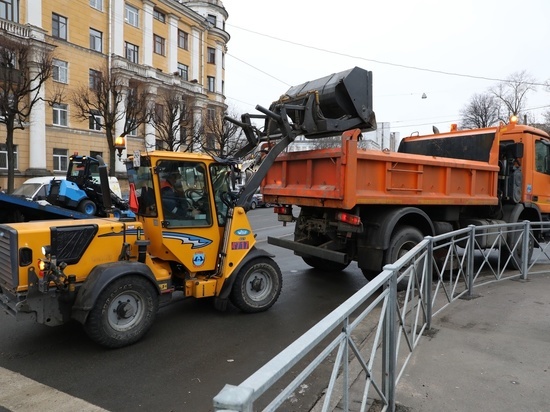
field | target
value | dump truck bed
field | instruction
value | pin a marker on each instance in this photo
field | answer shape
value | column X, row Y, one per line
column 347, row 176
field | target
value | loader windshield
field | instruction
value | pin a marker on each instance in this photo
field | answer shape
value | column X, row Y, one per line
column 220, row 175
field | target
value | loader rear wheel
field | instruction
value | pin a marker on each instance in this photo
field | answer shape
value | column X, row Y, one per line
column 257, row 286
column 324, row 265
column 123, row 312
column 87, row 207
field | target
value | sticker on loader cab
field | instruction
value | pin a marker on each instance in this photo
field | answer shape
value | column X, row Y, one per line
column 196, row 242
column 198, row 259
column 242, row 232
column 240, row 245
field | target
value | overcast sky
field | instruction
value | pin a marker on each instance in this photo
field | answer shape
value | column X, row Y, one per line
column 278, row 44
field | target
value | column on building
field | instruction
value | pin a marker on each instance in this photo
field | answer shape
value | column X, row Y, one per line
column 196, row 53
column 148, row 33
column 173, row 44
column 37, row 117
column 117, row 28
column 37, row 130
column 150, row 135
column 219, row 67
column 119, row 129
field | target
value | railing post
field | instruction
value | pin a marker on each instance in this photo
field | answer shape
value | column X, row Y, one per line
column 470, row 267
column 233, row 399
column 429, row 281
column 525, row 249
column 389, row 353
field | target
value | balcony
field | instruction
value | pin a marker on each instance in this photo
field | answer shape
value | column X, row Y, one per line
column 15, row 29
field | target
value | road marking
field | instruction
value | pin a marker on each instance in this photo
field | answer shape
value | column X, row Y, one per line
column 21, row 394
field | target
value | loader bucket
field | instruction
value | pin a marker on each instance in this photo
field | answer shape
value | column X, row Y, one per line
column 329, row 105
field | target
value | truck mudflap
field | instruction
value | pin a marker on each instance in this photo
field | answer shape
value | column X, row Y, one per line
column 99, row 278
column 303, row 249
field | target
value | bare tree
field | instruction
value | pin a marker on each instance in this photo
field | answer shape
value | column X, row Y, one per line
column 110, row 98
column 24, row 68
column 483, row 110
column 512, row 94
column 223, row 138
column 172, row 119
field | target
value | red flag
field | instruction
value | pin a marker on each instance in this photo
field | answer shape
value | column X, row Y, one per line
column 133, row 200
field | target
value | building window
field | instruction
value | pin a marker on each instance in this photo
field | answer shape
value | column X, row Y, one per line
column 60, row 71
column 159, row 15
column 60, row 160
column 212, row 19
column 59, row 26
column 96, row 40
column 211, row 55
column 4, row 157
column 60, row 112
column 131, row 127
column 94, row 121
column 211, row 84
column 95, row 154
column 9, row 10
column 183, row 40
column 159, row 45
column 94, row 79
column 183, row 71
column 132, row 52
column 132, row 15
column 211, row 114
column 97, row 4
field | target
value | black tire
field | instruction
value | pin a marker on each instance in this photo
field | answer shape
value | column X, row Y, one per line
column 87, row 207
column 369, row 274
column 517, row 259
column 253, row 205
column 123, row 312
column 324, row 265
column 403, row 239
column 257, row 285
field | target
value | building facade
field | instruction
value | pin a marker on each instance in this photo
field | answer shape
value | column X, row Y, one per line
column 175, row 45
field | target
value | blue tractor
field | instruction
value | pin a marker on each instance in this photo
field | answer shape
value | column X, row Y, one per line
column 83, row 189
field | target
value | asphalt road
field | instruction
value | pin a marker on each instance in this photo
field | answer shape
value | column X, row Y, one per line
column 192, row 350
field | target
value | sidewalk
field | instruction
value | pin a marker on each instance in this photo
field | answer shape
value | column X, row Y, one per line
column 491, row 353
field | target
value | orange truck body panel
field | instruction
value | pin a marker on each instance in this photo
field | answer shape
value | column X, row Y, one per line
column 347, row 176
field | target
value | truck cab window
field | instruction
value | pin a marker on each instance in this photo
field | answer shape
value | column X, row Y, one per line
column 542, row 157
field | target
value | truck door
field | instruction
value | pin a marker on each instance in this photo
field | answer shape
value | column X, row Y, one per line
column 539, row 188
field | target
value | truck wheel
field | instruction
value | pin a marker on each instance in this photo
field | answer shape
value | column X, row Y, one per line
column 257, row 286
column 88, row 207
column 323, row 264
column 402, row 241
column 517, row 259
column 123, row 312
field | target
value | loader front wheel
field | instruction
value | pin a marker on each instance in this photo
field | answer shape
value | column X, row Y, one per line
column 257, row 286
column 123, row 312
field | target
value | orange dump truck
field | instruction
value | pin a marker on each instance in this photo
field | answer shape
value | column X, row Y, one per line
column 372, row 206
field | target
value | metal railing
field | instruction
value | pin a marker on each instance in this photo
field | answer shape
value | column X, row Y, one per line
column 371, row 337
